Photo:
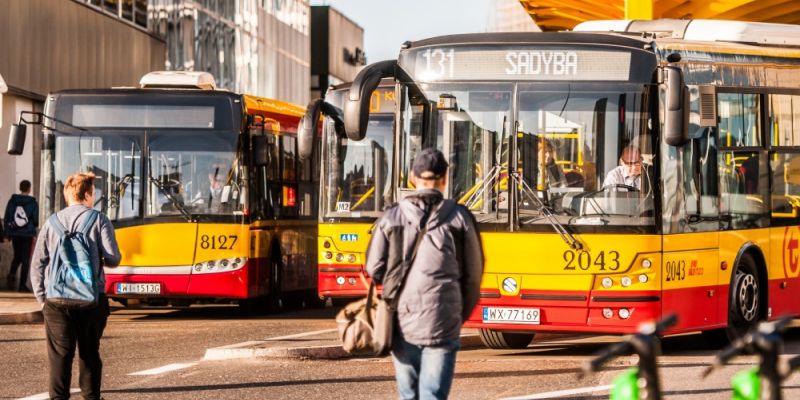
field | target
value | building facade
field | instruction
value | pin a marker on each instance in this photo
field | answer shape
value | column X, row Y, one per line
column 258, row 47
column 337, row 45
column 509, row 16
column 86, row 44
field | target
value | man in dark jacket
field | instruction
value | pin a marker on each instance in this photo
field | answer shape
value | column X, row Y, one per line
column 21, row 220
column 442, row 284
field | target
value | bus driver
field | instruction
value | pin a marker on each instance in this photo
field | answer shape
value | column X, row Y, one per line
column 629, row 171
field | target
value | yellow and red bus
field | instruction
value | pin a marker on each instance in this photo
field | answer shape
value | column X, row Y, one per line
column 679, row 193
column 205, row 191
column 354, row 188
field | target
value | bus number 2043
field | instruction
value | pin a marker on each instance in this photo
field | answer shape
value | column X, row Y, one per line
column 218, row 242
column 584, row 260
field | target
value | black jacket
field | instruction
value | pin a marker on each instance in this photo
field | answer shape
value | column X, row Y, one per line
column 21, row 223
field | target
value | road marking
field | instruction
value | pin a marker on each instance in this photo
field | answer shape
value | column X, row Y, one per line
column 166, row 368
column 45, row 395
column 299, row 335
column 561, row 393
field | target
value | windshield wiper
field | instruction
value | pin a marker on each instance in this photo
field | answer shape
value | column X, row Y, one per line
column 549, row 215
column 175, row 203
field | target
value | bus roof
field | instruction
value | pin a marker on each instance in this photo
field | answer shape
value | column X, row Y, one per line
column 263, row 104
column 624, row 40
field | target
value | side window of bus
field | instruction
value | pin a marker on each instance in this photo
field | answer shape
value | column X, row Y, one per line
column 288, row 157
column 743, row 177
column 784, row 159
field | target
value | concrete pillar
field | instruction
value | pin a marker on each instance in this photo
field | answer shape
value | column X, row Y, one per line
column 639, row 9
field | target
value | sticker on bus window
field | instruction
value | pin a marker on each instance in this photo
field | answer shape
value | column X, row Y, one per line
column 343, row 206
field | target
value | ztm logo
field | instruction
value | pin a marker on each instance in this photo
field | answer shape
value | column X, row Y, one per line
column 694, row 269
column 791, row 252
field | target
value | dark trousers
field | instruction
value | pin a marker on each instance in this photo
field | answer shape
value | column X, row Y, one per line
column 65, row 327
column 22, row 260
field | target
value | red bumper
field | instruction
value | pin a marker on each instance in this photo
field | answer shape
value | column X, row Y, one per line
column 227, row 285
column 563, row 311
column 342, row 281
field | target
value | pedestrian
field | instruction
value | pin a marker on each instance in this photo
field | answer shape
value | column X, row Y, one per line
column 66, row 325
column 442, row 284
column 21, row 220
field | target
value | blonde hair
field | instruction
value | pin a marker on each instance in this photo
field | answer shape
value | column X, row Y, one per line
column 78, row 186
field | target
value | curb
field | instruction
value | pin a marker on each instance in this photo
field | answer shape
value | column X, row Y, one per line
column 27, row 317
column 314, row 352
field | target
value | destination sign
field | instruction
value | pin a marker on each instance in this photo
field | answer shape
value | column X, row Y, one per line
column 518, row 63
column 382, row 100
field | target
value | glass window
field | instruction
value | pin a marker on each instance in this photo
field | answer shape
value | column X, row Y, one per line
column 140, row 13
column 689, row 174
column 288, row 157
column 127, row 10
column 739, row 125
column 111, row 6
column 785, row 188
column 784, row 120
column 585, row 153
column 743, row 182
column 115, row 159
column 194, row 176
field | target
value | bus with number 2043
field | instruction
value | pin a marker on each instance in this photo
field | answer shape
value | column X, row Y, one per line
column 618, row 173
column 204, row 189
column 354, row 188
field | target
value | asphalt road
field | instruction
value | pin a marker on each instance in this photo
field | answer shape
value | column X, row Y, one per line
column 164, row 351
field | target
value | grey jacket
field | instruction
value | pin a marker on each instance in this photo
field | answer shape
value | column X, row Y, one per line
column 443, row 283
column 101, row 239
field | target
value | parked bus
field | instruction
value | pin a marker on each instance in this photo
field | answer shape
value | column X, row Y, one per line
column 204, row 189
column 681, row 191
column 354, row 188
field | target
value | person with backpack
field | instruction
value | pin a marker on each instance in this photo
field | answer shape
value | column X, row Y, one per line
column 426, row 251
column 21, row 220
column 69, row 283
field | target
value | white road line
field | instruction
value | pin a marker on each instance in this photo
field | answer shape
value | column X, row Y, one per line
column 45, row 395
column 299, row 335
column 166, row 368
column 561, row 393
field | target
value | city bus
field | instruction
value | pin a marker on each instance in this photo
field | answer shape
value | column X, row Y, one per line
column 354, row 187
column 207, row 197
column 683, row 156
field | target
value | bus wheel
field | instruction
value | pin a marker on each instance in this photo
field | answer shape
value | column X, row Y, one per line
column 744, row 309
column 312, row 299
column 505, row 340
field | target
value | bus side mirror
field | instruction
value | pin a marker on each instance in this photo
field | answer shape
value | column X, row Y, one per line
column 260, row 148
column 676, row 121
column 16, row 139
column 308, row 129
column 357, row 100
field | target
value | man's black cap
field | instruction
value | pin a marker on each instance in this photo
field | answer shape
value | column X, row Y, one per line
column 430, row 164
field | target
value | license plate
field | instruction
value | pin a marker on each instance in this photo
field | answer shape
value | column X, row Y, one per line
column 509, row 315
column 139, row 288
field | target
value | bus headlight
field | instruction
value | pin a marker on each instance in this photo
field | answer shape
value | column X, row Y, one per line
column 340, row 280
column 339, row 257
column 646, row 263
column 607, row 283
column 226, row 264
column 326, row 244
column 625, row 281
column 608, row 313
column 351, row 280
column 351, row 258
column 328, row 255
column 624, row 313
column 198, row 267
column 643, row 278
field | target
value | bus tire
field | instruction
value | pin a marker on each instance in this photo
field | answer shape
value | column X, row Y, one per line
column 744, row 309
column 505, row 340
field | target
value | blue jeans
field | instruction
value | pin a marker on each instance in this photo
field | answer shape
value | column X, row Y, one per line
column 424, row 372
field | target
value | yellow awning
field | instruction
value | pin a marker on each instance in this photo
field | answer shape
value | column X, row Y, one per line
column 556, row 15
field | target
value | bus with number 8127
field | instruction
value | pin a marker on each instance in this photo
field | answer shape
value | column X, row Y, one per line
column 204, row 188
column 618, row 173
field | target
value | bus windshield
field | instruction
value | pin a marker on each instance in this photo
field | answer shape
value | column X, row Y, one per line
column 583, row 151
column 183, row 175
column 358, row 171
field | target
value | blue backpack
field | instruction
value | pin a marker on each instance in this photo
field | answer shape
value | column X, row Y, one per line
column 72, row 280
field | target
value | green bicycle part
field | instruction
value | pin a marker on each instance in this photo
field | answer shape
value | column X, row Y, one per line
column 746, row 385
column 626, row 386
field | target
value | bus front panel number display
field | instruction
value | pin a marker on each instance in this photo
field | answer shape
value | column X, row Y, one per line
column 439, row 63
column 220, row 242
column 584, row 260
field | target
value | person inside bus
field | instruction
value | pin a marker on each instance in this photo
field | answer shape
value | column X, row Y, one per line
column 553, row 173
column 630, row 170
column 210, row 194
